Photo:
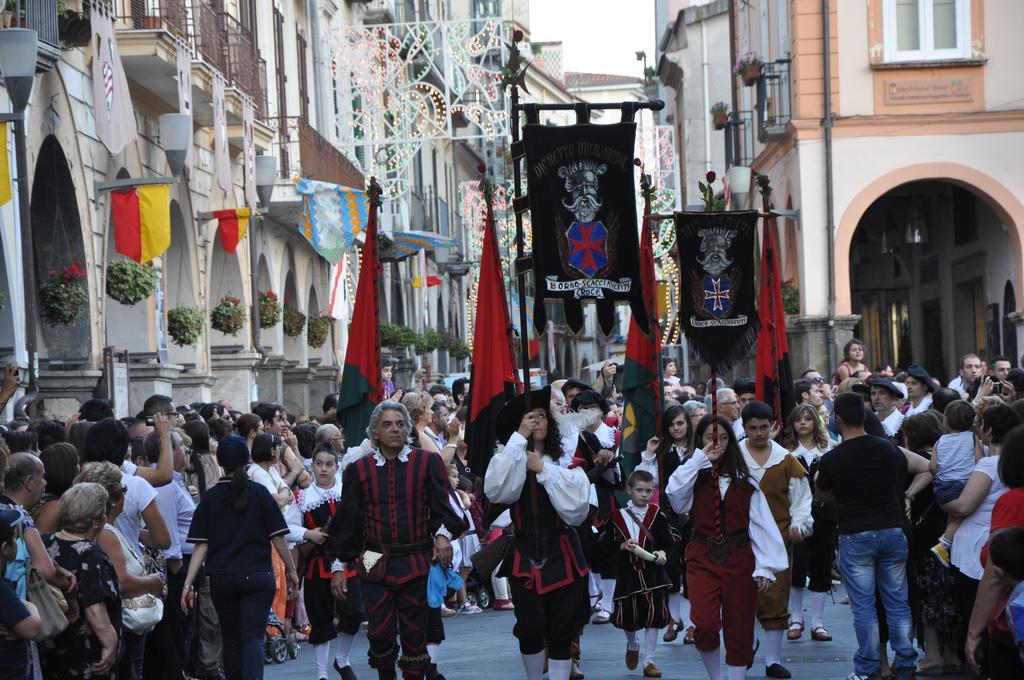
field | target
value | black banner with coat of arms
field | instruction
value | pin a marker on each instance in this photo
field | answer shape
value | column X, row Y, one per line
column 583, row 215
column 717, row 308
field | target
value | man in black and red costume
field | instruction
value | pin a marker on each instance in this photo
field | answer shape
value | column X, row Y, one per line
column 397, row 515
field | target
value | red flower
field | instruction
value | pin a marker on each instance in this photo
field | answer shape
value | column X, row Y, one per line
column 517, row 35
column 711, row 176
column 481, row 168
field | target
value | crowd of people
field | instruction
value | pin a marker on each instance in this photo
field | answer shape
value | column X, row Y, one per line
column 202, row 541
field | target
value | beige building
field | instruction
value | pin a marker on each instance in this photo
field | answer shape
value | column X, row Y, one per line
column 927, row 126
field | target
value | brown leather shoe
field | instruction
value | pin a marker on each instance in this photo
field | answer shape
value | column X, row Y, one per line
column 672, row 632
column 821, row 634
column 575, row 672
column 796, row 630
column 652, row 671
column 632, row 658
column 688, row 638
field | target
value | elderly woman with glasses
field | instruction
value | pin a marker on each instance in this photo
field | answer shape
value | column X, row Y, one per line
column 91, row 645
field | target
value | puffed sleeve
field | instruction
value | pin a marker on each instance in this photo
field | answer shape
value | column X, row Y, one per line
column 346, row 527
column 662, row 531
column 296, row 528
column 680, row 485
column 770, row 554
column 799, row 499
column 649, row 465
column 569, row 491
column 446, row 514
column 506, row 473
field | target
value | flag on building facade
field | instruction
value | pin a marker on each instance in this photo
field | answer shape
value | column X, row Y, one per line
column 184, row 67
column 338, row 304
column 774, row 376
column 221, row 160
column 113, row 111
column 232, row 226
column 641, row 385
column 142, row 221
column 249, row 152
column 493, row 377
column 332, row 216
column 5, row 167
column 361, row 388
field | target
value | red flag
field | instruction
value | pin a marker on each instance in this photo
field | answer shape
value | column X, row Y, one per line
column 232, row 225
column 361, row 388
column 493, row 376
column 774, row 378
column 142, row 221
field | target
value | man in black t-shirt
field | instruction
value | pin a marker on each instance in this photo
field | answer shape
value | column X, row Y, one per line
column 865, row 474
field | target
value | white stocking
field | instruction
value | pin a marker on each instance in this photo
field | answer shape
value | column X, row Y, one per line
column 712, row 664
column 796, row 604
column 533, row 664
column 631, row 642
column 594, row 586
column 772, row 647
column 559, row 669
column 500, row 585
column 344, row 647
column 684, row 613
column 321, row 653
column 673, row 606
column 817, row 608
column 737, row 672
column 607, row 594
column 650, row 643
column 434, row 652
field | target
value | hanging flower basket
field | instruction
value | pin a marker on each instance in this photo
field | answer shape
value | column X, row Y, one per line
column 270, row 309
column 427, row 342
column 294, row 322
column 184, row 325
column 790, row 297
column 396, row 337
column 129, row 282
column 749, row 68
column 61, row 296
column 719, row 115
column 228, row 316
column 459, row 350
column 317, row 329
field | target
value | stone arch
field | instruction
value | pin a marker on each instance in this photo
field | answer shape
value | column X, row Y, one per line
column 179, row 280
column 58, row 242
column 1001, row 200
column 225, row 279
column 294, row 349
column 270, row 338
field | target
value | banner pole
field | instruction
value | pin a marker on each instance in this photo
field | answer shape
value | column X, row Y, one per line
column 714, row 406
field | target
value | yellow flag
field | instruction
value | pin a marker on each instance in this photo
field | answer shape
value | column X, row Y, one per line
column 154, row 220
column 5, row 167
column 243, row 221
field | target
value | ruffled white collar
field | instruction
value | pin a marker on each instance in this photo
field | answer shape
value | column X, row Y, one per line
column 314, row 496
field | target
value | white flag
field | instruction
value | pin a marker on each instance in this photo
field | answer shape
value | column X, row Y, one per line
column 115, row 118
column 221, row 161
column 249, row 161
column 184, row 63
column 338, row 307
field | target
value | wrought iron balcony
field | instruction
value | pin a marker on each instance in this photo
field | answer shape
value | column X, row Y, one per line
column 246, row 69
column 169, row 15
column 773, row 100
column 40, row 16
column 304, row 152
column 739, row 139
column 208, row 35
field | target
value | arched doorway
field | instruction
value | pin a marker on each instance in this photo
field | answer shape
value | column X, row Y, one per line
column 294, row 348
column 270, row 338
column 179, row 283
column 226, row 280
column 927, row 267
column 57, row 237
column 1009, row 328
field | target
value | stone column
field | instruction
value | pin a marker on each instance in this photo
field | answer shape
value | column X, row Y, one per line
column 1017, row 318
column 234, row 378
column 192, row 386
column 325, row 381
column 296, row 398
column 62, row 392
column 270, row 378
column 808, row 347
column 145, row 380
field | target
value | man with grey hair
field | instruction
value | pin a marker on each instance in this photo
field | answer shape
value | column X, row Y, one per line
column 397, row 515
column 729, row 407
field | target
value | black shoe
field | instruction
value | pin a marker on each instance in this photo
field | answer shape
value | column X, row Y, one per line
column 387, row 674
column 777, row 670
column 757, row 646
column 346, row 673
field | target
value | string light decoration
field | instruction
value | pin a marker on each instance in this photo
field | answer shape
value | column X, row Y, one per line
column 399, row 85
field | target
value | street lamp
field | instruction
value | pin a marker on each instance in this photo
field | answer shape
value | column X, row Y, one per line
column 18, row 64
column 175, row 129
column 739, row 178
column 266, row 177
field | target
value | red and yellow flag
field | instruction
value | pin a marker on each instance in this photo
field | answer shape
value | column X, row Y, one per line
column 232, row 225
column 142, row 221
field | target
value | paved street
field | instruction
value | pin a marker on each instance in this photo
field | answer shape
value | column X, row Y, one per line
column 482, row 646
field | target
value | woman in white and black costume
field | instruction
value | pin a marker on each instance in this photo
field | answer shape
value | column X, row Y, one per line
column 546, row 568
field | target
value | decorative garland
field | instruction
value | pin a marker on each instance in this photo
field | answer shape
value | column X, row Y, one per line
column 129, row 282
column 317, row 328
column 61, row 297
column 294, row 322
column 184, row 325
column 270, row 309
column 228, row 316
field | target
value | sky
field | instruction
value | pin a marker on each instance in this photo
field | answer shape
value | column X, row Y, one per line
column 599, row 36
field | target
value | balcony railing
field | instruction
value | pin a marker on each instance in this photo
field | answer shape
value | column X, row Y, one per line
column 245, row 68
column 41, row 16
column 303, row 152
column 170, row 15
column 739, row 139
column 773, row 100
column 208, row 35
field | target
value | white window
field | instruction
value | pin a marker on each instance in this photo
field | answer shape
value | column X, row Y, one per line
column 926, row 30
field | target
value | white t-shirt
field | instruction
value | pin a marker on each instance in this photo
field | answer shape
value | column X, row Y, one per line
column 138, row 496
column 973, row 532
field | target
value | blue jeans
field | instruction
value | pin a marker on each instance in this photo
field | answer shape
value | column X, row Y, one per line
column 243, row 603
column 873, row 559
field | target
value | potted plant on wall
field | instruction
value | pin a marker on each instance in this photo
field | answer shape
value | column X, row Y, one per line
column 719, row 115
column 749, row 68
column 294, row 322
column 129, row 282
column 427, row 342
column 396, row 337
column 61, row 296
column 790, row 297
column 270, row 309
column 460, row 350
column 73, row 24
column 228, row 316
column 184, row 325
column 318, row 327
